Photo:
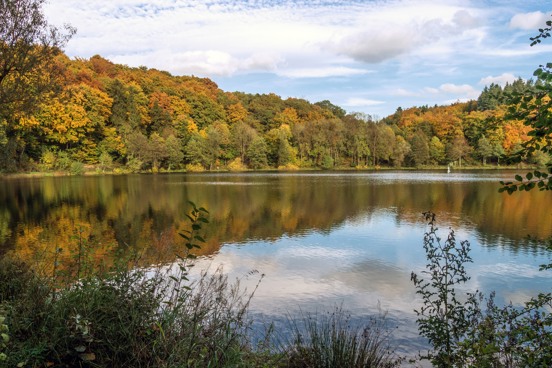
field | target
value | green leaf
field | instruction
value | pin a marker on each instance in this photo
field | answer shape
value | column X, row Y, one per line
column 529, row 176
column 518, row 178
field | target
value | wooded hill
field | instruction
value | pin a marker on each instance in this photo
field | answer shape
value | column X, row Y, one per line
column 132, row 119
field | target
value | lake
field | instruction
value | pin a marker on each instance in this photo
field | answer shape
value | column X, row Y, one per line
column 322, row 239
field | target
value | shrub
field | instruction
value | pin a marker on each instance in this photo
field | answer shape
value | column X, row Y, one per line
column 477, row 332
column 195, row 168
column 48, row 160
column 237, row 165
column 77, row 168
column 105, row 161
column 329, row 340
column 63, row 161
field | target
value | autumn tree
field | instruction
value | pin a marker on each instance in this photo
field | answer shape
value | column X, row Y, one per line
column 401, row 149
column 457, row 149
column 28, row 46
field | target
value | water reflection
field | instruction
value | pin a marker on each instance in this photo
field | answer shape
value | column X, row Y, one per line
column 146, row 212
column 321, row 239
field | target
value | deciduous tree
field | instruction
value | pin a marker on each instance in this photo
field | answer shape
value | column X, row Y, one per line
column 28, row 46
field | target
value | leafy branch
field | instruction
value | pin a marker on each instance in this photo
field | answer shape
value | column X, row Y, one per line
column 534, row 179
column 197, row 217
column 543, row 33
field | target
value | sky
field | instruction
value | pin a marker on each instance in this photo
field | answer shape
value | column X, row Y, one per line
column 369, row 56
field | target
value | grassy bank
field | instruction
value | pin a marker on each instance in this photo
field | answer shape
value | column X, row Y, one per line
column 152, row 318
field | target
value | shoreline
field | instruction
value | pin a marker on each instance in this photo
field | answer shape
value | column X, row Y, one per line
column 40, row 174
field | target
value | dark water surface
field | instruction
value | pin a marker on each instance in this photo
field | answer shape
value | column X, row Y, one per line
column 320, row 239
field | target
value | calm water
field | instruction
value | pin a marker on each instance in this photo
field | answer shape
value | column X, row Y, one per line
column 321, row 240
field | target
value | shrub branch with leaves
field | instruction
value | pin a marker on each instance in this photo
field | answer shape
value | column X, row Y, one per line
column 471, row 330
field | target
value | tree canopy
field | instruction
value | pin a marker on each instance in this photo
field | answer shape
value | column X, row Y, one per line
column 28, row 46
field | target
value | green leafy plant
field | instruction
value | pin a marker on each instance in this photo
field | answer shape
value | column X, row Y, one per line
column 471, row 330
column 443, row 318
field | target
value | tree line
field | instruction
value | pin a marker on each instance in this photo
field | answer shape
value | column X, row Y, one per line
column 61, row 114
column 137, row 119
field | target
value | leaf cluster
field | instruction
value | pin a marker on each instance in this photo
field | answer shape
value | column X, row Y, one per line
column 535, row 179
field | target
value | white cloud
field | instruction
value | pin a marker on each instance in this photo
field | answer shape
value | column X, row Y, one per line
column 376, row 46
column 321, row 72
column 404, row 92
column 208, row 62
column 463, row 89
column 431, row 90
column 499, row 79
column 529, row 21
column 407, row 27
column 361, row 102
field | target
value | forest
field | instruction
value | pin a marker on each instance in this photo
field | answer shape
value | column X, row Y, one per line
column 98, row 115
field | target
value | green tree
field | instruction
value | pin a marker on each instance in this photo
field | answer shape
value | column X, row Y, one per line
column 419, row 149
column 337, row 111
column 175, row 156
column 257, row 153
column 356, row 136
column 401, row 149
column 484, row 149
column 155, row 151
column 242, row 135
column 385, row 143
column 436, row 150
column 196, row 151
column 217, row 142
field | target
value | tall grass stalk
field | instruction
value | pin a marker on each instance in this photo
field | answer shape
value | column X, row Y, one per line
column 331, row 340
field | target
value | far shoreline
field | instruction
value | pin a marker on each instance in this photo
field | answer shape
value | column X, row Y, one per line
column 92, row 171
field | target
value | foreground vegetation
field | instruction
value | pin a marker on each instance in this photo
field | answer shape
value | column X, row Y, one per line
column 82, row 315
column 131, row 317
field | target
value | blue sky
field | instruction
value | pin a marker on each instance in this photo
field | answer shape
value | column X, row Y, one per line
column 365, row 56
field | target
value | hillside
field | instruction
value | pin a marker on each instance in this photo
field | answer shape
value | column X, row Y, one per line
column 131, row 119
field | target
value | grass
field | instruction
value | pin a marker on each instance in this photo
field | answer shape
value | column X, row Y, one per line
column 330, row 340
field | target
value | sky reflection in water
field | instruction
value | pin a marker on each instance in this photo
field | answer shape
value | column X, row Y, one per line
column 364, row 265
